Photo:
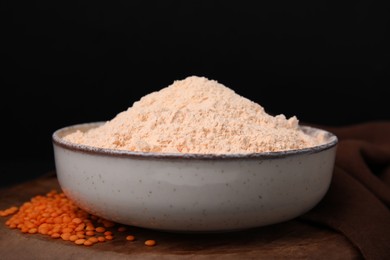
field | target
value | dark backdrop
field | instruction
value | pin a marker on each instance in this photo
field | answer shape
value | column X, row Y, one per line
column 66, row 63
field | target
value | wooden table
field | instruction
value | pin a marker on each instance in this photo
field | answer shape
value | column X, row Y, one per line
column 293, row 239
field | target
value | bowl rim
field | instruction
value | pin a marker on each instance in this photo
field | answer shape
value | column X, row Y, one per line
column 57, row 139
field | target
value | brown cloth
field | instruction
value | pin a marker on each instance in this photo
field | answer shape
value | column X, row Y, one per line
column 358, row 200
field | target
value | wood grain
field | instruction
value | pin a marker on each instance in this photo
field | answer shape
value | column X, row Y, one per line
column 290, row 240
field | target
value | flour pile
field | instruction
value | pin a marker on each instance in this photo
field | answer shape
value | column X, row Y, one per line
column 197, row 115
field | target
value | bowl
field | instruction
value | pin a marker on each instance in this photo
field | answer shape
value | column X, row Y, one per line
column 193, row 192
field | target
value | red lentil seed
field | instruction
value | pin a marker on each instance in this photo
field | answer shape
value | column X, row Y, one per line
column 93, row 239
column 90, row 233
column 65, row 236
column 58, row 217
column 130, row 238
column 122, row 229
column 100, row 229
column 108, row 224
column 87, row 243
column 77, row 220
column 150, row 242
column 32, row 230
column 55, row 235
column 108, row 233
column 90, row 228
column 73, row 238
column 80, row 241
column 109, row 237
column 101, row 239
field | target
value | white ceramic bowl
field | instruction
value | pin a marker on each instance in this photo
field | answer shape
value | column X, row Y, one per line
column 193, row 192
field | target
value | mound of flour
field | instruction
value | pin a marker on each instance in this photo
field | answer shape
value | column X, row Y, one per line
column 197, row 115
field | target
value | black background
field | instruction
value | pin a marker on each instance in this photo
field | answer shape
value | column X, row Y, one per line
column 66, row 63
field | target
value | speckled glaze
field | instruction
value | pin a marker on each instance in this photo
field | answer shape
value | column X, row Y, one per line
column 193, row 192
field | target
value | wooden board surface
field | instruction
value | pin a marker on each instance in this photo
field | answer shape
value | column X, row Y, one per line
column 290, row 240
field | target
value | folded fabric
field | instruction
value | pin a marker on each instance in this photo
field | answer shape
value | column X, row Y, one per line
column 358, row 201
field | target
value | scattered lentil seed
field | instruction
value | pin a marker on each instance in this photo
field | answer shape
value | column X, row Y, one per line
column 87, row 243
column 100, row 229
column 9, row 211
column 121, row 229
column 90, row 227
column 80, row 241
column 56, row 216
column 130, row 238
column 90, row 233
column 73, row 238
column 55, row 235
column 32, row 230
column 150, row 242
column 93, row 239
column 65, row 236
column 77, row 220
column 109, row 237
column 107, row 223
